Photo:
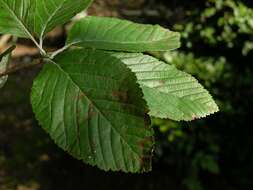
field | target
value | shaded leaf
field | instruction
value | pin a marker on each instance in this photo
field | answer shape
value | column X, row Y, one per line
column 90, row 104
column 4, row 61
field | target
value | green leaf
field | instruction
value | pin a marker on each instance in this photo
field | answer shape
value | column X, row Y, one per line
column 50, row 13
column 16, row 17
column 22, row 18
column 4, row 61
column 170, row 93
column 121, row 35
column 90, row 104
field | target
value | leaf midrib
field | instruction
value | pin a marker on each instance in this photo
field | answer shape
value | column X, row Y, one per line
column 18, row 20
column 49, row 19
column 125, row 43
column 113, row 127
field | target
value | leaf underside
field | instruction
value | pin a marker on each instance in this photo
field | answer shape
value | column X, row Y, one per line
column 170, row 93
column 4, row 61
column 121, row 35
column 90, row 104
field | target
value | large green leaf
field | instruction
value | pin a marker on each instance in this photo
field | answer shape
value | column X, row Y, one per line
column 91, row 105
column 4, row 61
column 16, row 17
column 50, row 13
column 115, row 34
column 170, row 93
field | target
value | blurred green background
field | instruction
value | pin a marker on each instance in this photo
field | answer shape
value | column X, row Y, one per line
column 209, row 154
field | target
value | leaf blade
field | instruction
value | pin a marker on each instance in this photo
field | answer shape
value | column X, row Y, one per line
column 4, row 62
column 15, row 18
column 170, row 93
column 121, row 35
column 88, row 113
column 51, row 13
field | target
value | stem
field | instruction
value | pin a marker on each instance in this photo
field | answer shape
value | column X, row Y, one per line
column 16, row 68
column 42, row 51
column 60, row 50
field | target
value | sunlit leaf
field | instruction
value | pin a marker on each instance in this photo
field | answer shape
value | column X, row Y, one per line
column 115, row 34
column 170, row 93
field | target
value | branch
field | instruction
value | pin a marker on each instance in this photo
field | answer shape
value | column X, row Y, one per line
column 15, row 68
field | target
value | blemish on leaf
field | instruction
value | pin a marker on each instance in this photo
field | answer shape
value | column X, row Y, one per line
column 145, row 141
column 146, row 159
column 162, row 82
column 122, row 96
column 91, row 111
column 194, row 117
column 146, row 162
column 81, row 96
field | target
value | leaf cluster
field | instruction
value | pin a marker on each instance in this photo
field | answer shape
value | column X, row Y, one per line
column 95, row 95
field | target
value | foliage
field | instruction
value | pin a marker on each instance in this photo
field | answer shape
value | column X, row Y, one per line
column 183, row 152
column 227, row 73
column 88, row 100
column 222, row 22
column 193, row 147
column 221, row 69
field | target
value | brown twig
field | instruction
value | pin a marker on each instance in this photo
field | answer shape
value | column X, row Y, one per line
column 15, row 68
column 3, row 41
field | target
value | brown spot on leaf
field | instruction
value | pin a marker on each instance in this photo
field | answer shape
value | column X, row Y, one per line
column 146, row 162
column 161, row 82
column 122, row 96
column 91, row 111
column 147, row 147
column 194, row 117
column 144, row 141
column 81, row 95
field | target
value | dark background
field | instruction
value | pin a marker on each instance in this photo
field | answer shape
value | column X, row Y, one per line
column 209, row 154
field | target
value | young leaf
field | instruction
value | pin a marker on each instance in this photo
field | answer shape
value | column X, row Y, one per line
column 16, row 17
column 121, row 35
column 91, row 105
column 170, row 93
column 50, row 13
column 4, row 61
